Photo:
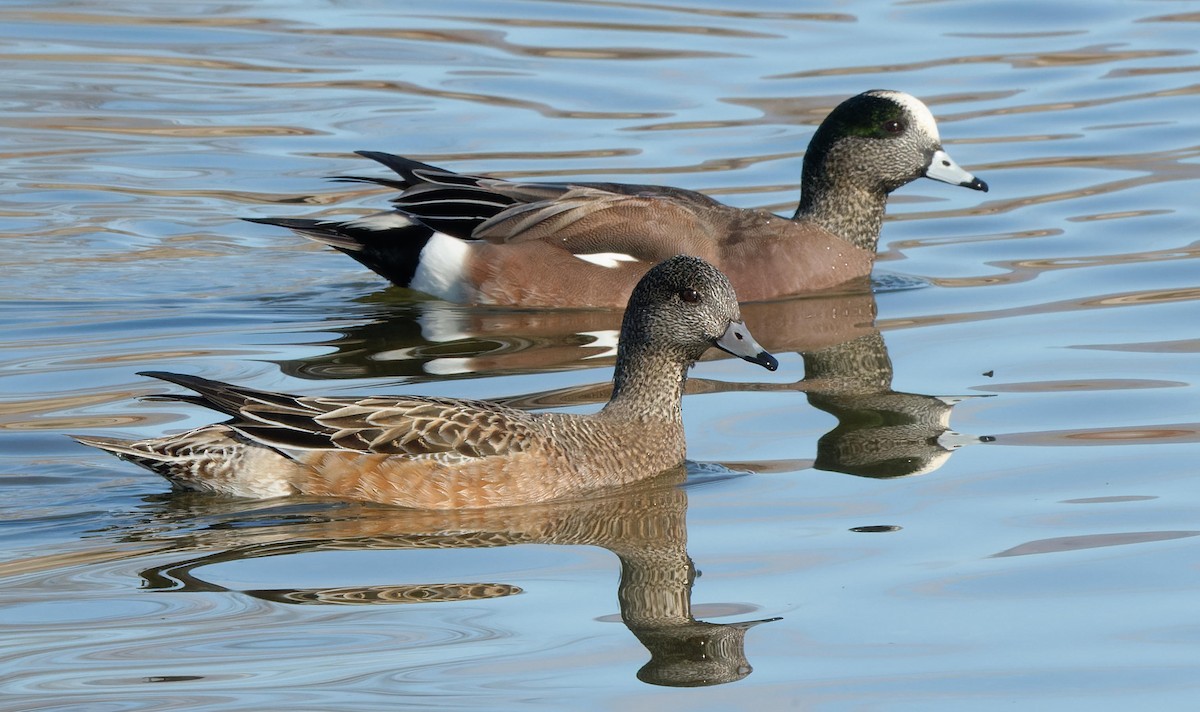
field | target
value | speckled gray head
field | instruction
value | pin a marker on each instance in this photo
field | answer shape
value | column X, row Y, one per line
column 688, row 303
column 882, row 139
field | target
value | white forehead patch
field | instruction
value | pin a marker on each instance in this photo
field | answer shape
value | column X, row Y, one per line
column 914, row 106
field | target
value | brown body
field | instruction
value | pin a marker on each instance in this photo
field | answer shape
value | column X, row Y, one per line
column 484, row 240
column 574, row 456
column 445, row 453
column 538, row 273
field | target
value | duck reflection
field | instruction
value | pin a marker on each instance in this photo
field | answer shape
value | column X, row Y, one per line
column 400, row 338
column 644, row 525
column 880, row 432
column 848, row 373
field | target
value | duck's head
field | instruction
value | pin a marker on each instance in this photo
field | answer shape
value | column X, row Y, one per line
column 688, row 305
column 882, row 139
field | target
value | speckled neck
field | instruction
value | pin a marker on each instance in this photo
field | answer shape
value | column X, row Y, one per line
column 648, row 385
column 850, row 211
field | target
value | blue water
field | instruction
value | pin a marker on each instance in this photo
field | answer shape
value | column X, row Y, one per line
column 1026, row 541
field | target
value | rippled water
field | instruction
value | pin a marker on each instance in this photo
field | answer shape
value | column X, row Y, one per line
column 1038, row 554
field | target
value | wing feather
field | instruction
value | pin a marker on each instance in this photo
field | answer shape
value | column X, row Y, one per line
column 409, row 426
column 647, row 222
column 587, row 221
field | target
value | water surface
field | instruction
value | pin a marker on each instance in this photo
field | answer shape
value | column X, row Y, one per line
column 971, row 489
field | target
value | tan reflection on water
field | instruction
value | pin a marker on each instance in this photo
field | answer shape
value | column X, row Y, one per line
column 1087, row 54
column 1104, row 384
column 643, row 525
column 148, row 127
column 1152, row 168
column 502, row 100
column 1024, row 270
column 1092, row 541
column 708, row 31
column 497, row 40
column 99, row 18
column 141, row 60
column 1149, row 296
column 47, row 413
column 1165, row 434
column 1181, row 346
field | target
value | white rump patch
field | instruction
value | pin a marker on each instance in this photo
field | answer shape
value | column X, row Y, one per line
column 914, row 106
column 611, row 260
column 442, row 268
column 605, row 339
column 391, row 220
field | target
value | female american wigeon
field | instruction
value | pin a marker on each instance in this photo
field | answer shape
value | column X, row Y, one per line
column 480, row 240
column 442, row 453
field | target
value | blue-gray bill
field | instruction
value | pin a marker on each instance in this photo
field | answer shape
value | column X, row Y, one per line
column 942, row 167
column 738, row 341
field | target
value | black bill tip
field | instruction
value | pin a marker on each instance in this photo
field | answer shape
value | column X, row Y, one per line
column 764, row 359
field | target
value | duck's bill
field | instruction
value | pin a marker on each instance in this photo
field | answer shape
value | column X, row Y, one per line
column 738, row 341
column 942, row 167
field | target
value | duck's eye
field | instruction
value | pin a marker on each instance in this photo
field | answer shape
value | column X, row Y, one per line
column 689, row 295
column 893, row 126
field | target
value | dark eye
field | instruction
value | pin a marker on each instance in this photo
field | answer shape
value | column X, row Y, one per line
column 893, row 126
column 689, row 295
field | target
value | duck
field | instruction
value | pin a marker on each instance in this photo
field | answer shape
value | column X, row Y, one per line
column 474, row 239
column 428, row 452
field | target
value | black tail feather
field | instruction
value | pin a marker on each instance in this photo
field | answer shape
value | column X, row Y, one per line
column 389, row 182
column 393, row 252
column 404, row 167
column 217, row 395
column 431, row 200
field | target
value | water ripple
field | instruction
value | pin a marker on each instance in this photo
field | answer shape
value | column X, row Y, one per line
column 138, row 135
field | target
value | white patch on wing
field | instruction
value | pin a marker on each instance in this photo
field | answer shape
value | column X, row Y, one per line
column 605, row 339
column 442, row 267
column 920, row 113
column 611, row 260
column 391, row 220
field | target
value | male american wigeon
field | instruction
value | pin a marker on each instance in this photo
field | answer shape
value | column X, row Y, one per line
column 442, row 453
column 480, row 240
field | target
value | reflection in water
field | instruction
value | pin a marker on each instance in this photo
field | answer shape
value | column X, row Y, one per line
column 403, row 338
column 880, row 432
column 644, row 525
column 1091, row 541
column 848, row 373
